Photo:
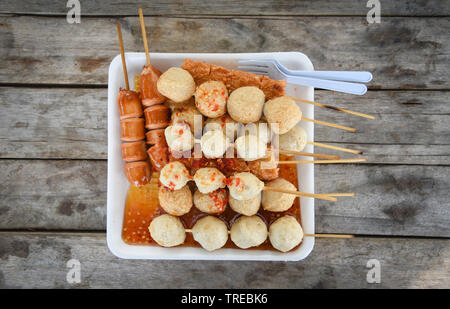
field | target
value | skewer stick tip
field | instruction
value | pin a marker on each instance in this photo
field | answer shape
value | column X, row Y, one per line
column 334, row 108
column 329, row 235
column 144, row 35
column 335, row 147
column 304, row 194
column 122, row 54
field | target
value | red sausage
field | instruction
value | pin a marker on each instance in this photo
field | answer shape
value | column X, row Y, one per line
column 134, row 151
column 129, row 104
column 132, row 129
column 157, row 117
column 138, row 173
column 149, row 92
column 159, row 156
column 155, row 137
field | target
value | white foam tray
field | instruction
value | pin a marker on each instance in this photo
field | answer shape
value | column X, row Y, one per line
column 118, row 185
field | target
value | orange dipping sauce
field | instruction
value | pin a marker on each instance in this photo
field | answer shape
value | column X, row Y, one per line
column 142, row 206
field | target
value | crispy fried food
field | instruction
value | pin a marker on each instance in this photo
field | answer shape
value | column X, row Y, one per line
column 233, row 79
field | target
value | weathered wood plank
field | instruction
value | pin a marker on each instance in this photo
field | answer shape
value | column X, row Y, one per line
column 400, row 52
column 74, row 197
column 233, row 7
column 390, row 200
column 411, row 126
column 40, row 261
column 53, row 123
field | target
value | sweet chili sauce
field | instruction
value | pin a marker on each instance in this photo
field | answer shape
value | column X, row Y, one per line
column 142, row 206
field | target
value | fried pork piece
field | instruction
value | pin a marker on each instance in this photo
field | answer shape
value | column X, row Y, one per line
column 200, row 73
column 233, row 79
column 240, row 79
column 229, row 166
column 273, row 87
column 265, row 169
column 220, row 74
column 192, row 164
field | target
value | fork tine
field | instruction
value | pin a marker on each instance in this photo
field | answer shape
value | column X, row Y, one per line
column 251, row 69
column 258, row 73
column 255, row 63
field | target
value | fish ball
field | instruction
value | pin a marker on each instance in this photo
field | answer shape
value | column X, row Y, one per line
column 285, row 233
column 277, row 201
column 294, row 140
column 174, row 175
column 247, row 207
column 244, row 186
column 167, row 231
column 211, row 98
column 250, row 148
column 214, row 144
column 209, row 179
column 210, row 232
column 211, row 203
column 246, row 104
column 248, row 232
column 176, row 84
column 283, row 113
column 224, row 123
column 175, row 202
column 179, row 137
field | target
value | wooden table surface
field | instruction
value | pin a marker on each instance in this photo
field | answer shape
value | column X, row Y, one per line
column 53, row 139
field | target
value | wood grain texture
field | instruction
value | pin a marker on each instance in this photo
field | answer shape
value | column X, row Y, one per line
column 50, row 195
column 233, row 7
column 39, row 260
column 390, row 200
column 53, row 123
column 410, row 128
column 400, row 52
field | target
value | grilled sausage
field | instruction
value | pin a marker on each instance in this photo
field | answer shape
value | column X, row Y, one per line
column 134, row 151
column 129, row 104
column 132, row 129
column 138, row 173
column 157, row 117
column 147, row 84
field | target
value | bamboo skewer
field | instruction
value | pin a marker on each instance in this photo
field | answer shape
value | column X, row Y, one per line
column 329, row 124
column 333, row 108
column 323, row 161
column 144, row 35
column 122, row 53
column 307, row 154
column 329, row 235
column 304, row 194
column 307, row 235
column 334, row 147
column 337, row 194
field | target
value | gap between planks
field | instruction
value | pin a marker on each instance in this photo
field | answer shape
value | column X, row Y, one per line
column 103, row 233
column 105, row 86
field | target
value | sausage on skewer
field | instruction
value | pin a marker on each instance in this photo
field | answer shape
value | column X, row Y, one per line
column 137, row 169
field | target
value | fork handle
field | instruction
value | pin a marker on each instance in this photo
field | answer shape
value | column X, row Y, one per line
column 349, row 76
column 352, row 88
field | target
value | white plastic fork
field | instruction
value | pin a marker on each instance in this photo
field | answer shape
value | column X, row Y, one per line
column 275, row 73
column 347, row 76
